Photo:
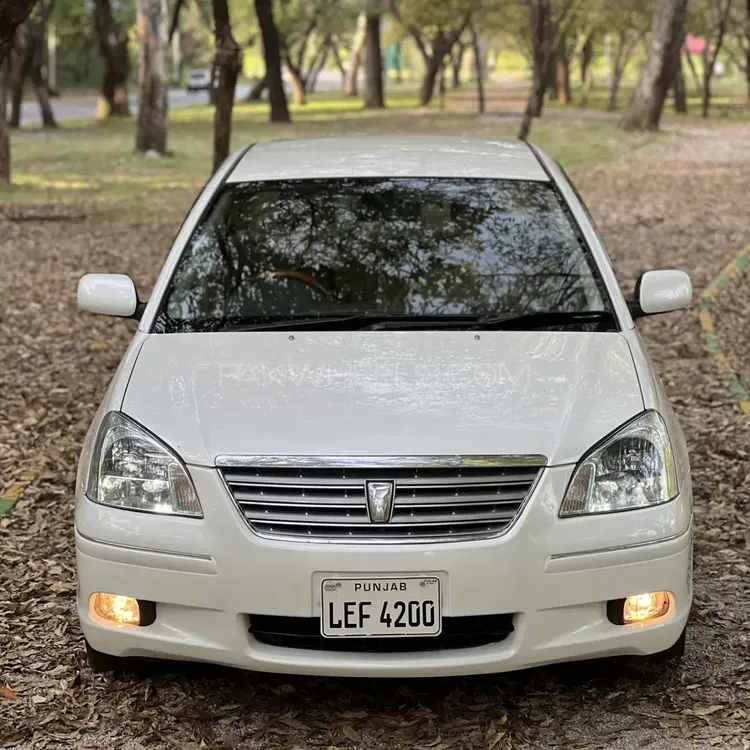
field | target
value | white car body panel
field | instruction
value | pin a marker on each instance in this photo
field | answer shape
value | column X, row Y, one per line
column 386, row 393
column 405, row 393
column 388, row 156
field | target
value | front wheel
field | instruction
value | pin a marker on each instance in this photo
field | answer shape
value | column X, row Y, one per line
column 673, row 654
column 100, row 662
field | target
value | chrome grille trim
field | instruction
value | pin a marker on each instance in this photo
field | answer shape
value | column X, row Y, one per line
column 438, row 498
column 372, row 462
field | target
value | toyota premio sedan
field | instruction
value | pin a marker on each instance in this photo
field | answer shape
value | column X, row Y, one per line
column 386, row 414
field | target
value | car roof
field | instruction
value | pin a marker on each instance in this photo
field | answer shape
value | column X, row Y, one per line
column 388, row 156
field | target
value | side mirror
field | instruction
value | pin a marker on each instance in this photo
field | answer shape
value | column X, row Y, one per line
column 661, row 292
column 109, row 294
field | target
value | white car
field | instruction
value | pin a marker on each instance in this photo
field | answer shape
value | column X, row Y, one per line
column 386, row 414
column 198, row 80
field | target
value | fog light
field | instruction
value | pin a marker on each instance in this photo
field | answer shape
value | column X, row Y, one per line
column 646, row 607
column 114, row 609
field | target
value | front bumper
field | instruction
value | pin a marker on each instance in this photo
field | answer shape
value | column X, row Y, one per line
column 555, row 576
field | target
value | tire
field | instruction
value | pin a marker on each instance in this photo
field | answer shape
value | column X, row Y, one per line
column 99, row 662
column 673, row 655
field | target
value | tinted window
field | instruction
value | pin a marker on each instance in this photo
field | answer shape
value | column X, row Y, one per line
column 289, row 249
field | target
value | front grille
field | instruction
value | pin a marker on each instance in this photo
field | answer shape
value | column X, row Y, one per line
column 328, row 503
column 304, row 633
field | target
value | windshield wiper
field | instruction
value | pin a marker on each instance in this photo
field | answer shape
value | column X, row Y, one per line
column 529, row 321
column 381, row 322
column 523, row 322
column 323, row 323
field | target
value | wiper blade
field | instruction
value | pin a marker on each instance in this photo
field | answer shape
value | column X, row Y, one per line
column 383, row 322
column 529, row 321
column 326, row 323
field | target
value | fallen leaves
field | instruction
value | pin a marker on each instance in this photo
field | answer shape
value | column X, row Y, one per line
column 6, row 692
column 55, row 365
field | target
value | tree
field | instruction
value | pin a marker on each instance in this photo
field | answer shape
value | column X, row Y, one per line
column 457, row 61
column 435, row 28
column 738, row 43
column 151, row 134
column 113, row 45
column 631, row 20
column 374, row 97
column 478, row 67
column 541, row 54
column 12, row 14
column 710, row 18
column 272, row 57
column 678, row 83
column 667, row 29
column 227, row 64
column 305, row 30
column 355, row 56
column 27, row 59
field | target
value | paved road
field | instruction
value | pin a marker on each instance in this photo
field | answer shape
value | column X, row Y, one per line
column 84, row 107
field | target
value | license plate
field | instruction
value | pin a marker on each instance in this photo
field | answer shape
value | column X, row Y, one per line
column 380, row 607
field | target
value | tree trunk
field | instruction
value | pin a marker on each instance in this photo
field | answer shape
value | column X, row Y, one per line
column 706, row 91
column 457, row 60
column 4, row 132
column 318, row 63
column 339, row 62
column 113, row 45
column 553, row 90
column 710, row 56
column 678, row 85
column 311, row 83
column 298, row 83
column 12, row 14
column 479, row 69
column 563, row 77
column 256, row 92
column 20, row 70
column 427, row 89
column 587, row 89
column 355, row 56
column 228, row 64
column 42, row 95
column 151, row 133
column 272, row 56
column 614, row 89
column 374, row 98
column 542, row 54
column 667, row 31
column 587, row 55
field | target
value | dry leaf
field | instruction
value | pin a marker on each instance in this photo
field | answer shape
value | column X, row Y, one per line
column 350, row 733
column 7, row 692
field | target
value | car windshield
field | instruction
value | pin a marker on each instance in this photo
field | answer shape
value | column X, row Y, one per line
column 292, row 250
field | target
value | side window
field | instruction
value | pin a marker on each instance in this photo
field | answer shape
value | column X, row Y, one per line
column 586, row 210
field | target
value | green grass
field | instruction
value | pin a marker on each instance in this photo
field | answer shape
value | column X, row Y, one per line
column 94, row 163
column 728, row 98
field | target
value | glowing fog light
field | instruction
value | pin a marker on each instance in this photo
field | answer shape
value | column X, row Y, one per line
column 646, row 607
column 117, row 610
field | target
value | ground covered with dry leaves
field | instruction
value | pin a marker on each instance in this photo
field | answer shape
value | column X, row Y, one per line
column 684, row 204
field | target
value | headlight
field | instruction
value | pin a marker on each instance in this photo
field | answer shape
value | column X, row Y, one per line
column 634, row 468
column 131, row 469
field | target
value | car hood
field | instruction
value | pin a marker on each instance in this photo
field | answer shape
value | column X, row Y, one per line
column 376, row 393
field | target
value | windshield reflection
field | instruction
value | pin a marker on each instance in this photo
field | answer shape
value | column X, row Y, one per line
column 393, row 246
